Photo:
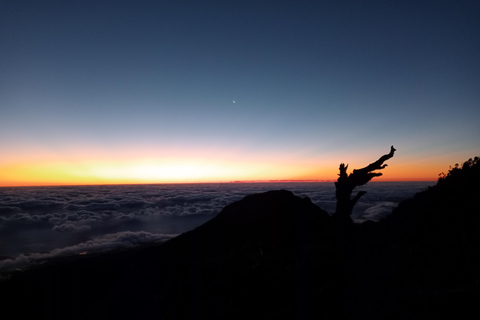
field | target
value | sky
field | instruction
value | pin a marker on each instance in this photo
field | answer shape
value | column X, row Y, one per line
column 107, row 92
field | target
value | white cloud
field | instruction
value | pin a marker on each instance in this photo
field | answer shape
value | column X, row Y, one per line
column 70, row 227
column 100, row 244
column 377, row 211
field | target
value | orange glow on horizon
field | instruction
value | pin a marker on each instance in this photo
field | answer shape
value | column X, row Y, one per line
column 203, row 166
column 146, row 171
column 141, row 172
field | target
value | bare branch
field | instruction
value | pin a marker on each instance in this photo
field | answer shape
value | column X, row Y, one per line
column 346, row 183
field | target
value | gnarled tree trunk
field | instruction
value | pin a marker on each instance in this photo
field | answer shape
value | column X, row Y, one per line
column 346, row 183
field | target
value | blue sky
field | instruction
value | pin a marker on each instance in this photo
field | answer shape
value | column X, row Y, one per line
column 315, row 83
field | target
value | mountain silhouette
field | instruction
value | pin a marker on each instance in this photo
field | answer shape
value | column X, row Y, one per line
column 270, row 254
column 276, row 255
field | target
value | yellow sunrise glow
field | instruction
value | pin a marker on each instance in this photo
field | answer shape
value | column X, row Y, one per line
column 148, row 171
column 161, row 171
column 200, row 166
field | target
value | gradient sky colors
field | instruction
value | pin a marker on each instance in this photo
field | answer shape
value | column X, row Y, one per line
column 95, row 92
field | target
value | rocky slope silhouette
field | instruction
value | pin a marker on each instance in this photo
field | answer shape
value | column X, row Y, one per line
column 423, row 260
column 275, row 255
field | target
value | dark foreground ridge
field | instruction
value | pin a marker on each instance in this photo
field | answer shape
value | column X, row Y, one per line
column 275, row 255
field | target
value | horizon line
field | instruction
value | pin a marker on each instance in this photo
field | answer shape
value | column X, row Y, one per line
column 210, row 182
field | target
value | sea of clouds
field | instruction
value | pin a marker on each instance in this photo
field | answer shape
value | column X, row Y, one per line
column 38, row 223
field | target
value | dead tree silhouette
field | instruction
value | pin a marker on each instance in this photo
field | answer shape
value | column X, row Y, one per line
column 346, row 183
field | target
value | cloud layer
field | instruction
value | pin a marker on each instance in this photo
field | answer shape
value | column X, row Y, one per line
column 63, row 220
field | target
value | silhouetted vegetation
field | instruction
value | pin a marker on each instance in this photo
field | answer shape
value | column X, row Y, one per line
column 465, row 172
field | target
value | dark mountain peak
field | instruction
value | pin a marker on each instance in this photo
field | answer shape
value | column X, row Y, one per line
column 271, row 208
column 270, row 254
column 269, row 219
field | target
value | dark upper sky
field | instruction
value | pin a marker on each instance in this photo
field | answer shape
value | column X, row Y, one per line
column 239, row 85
